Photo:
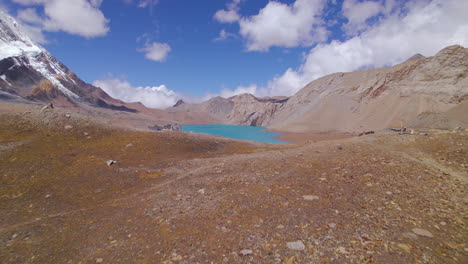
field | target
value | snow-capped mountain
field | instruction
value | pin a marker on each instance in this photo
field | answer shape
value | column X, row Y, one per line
column 28, row 70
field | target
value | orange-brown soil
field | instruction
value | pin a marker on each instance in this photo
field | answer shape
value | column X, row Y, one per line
column 175, row 197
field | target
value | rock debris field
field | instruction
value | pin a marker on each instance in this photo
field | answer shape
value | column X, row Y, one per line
column 73, row 191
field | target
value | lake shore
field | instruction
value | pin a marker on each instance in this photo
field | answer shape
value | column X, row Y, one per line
column 299, row 138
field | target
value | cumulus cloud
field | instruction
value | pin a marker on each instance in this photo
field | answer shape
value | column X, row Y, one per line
column 77, row 17
column 156, row 51
column 421, row 26
column 230, row 15
column 151, row 96
column 357, row 13
column 279, row 24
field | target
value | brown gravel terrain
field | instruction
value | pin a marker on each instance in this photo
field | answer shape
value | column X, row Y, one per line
column 174, row 197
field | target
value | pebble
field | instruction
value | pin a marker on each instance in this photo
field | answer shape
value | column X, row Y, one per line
column 310, row 197
column 201, row 191
column 342, row 250
column 404, row 247
column 67, row 115
column 389, row 193
column 129, row 145
column 365, row 237
column 296, row 245
column 422, row 232
column 280, row 227
column 111, row 162
column 99, row 260
column 67, row 127
column 410, row 235
column 245, row 252
column 331, row 225
column 443, row 223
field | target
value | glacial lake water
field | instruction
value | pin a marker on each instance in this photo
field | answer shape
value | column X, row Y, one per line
column 236, row 132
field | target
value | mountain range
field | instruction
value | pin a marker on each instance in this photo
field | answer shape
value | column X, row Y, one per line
column 420, row 92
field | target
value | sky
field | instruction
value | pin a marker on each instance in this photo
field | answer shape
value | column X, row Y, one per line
column 159, row 51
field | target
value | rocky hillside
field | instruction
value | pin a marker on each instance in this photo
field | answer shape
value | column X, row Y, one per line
column 423, row 92
column 244, row 109
column 379, row 98
column 29, row 71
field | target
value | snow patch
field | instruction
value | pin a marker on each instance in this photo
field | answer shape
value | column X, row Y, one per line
column 15, row 43
column 3, row 77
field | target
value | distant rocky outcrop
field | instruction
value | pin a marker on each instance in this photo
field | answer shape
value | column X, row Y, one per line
column 171, row 127
column 243, row 109
column 180, row 102
column 417, row 57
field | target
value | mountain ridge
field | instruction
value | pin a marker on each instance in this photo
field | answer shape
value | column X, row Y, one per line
column 30, row 71
column 368, row 99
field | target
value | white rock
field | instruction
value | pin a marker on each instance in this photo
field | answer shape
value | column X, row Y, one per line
column 246, row 252
column 342, row 250
column 296, row 245
column 310, row 197
column 422, row 232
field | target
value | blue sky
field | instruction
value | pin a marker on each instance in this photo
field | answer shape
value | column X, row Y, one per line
column 160, row 51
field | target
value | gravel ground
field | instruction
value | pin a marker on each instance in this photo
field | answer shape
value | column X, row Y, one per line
column 174, row 197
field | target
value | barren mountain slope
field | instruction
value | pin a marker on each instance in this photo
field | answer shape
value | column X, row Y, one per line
column 379, row 98
column 244, row 109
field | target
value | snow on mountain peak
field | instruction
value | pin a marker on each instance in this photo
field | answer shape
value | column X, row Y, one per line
column 15, row 43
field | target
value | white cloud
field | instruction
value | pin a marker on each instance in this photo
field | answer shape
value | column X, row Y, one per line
column 226, row 16
column 156, row 51
column 280, row 25
column 223, row 35
column 151, row 96
column 424, row 27
column 77, row 17
column 29, row 15
column 230, row 15
column 358, row 13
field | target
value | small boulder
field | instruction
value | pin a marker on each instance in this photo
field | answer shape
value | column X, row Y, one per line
column 310, row 197
column 296, row 245
column 422, row 232
column 47, row 107
column 245, row 252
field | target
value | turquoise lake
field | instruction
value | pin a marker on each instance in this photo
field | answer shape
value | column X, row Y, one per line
column 236, row 132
